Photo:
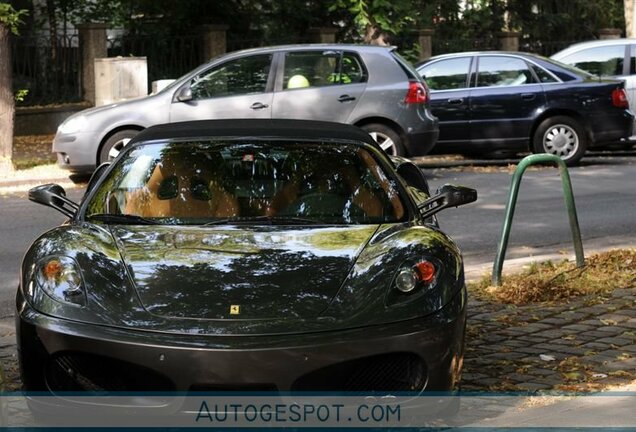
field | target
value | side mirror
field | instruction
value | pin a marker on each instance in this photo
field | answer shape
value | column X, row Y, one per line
column 184, row 94
column 412, row 175
column 53, row 195
column 447, row 196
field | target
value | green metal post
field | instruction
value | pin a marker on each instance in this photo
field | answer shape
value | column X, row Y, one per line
column 512, row 201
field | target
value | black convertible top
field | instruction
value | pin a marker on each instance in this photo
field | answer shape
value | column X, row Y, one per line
column 271, row 128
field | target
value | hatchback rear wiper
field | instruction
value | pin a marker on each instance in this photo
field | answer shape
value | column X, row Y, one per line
column 126, row 219
column 269, row 220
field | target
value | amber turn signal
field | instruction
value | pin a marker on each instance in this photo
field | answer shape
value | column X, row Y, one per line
column 52, row 269
column 426, row 271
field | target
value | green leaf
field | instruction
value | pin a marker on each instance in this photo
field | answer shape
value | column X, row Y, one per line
column 10, row 17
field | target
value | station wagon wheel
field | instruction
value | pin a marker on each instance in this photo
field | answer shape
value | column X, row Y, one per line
column 561, row 136
column 389, row 140
column 115, row 143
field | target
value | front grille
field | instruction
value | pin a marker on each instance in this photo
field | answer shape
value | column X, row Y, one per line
column 87, row 372
column 386, row 372
column 234, row 388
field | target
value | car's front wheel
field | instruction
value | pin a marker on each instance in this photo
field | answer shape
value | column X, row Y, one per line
column 561, row 136
column 115, row 143
column 388, row 139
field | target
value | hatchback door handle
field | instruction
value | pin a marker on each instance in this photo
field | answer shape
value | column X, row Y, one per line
column 528, row 96
column 259, row 105
column 346, row 98
column 456, row 101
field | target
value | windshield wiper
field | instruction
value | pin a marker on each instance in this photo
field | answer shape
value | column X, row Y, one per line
column 126, row 219
column 269, row 220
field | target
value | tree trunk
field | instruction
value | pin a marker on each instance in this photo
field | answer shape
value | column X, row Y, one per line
column 50, row 11
column 375, row 36
column 7, row 108
column 630, row 21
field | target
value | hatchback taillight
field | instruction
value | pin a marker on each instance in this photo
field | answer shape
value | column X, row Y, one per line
column 619, row 98
column 418, row 93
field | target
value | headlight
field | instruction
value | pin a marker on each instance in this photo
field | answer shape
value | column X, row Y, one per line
column 423, row 273
column 60, row 279
column 73, row 125
column 406, row 280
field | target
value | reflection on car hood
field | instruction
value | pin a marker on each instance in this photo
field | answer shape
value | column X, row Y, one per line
column 258, row 272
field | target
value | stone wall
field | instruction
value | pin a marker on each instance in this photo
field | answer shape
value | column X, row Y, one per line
column 44, row 120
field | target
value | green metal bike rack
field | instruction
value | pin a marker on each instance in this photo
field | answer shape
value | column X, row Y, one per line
column 512, row 201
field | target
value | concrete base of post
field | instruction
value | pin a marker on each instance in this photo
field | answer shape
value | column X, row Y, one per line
column 326, row 35
column 508, row 40
column 425, row 41
column 214, row 41
column 610, row 33
column 93, row 44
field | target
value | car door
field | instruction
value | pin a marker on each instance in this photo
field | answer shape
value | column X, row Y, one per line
column 448, row 82
column 319, row 85
column 237, row 88
column 506, row 99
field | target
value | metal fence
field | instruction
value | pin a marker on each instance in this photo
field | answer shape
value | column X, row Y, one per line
column 51, row 72
column 168, row 57
column 445, row 46
column 48, row 71
column 245, row 41
column 545, row 48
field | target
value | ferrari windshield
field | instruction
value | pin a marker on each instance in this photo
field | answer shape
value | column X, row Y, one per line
column 247, row 181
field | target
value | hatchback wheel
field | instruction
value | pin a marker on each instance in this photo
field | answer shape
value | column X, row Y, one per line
column 561, row 136
column 115, row 144
column 389, row 140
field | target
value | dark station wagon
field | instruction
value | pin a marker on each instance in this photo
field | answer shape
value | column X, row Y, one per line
column 518, row 102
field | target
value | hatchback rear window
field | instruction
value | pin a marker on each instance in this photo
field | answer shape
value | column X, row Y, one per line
column 406, row 66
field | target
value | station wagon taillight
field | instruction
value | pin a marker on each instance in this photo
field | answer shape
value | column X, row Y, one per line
column 418, row 93
column 619, row 98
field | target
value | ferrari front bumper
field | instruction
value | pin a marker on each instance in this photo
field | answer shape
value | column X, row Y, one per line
column 58, row 356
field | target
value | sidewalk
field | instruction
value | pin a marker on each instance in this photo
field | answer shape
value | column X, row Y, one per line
column 580, row 345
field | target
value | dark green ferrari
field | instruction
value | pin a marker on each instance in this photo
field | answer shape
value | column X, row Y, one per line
column 245, row 255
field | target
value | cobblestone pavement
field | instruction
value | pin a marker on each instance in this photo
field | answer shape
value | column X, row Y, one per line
column 8, row 354
column 577, row 346
column 581, row 345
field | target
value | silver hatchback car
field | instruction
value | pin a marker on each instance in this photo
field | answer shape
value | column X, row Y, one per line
column 368, row 86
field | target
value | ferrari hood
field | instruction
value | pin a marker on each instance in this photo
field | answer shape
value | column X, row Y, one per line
column 239, row 272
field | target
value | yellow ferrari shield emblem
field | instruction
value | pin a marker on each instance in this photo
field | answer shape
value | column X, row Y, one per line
column 235, row 309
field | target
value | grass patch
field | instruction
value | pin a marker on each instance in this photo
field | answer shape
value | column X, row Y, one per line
column 550, row 282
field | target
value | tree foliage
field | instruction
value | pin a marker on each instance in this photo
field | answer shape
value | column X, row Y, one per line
column 11, row 18
column 376, row 19
column 372, row 21
column 566, row 20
